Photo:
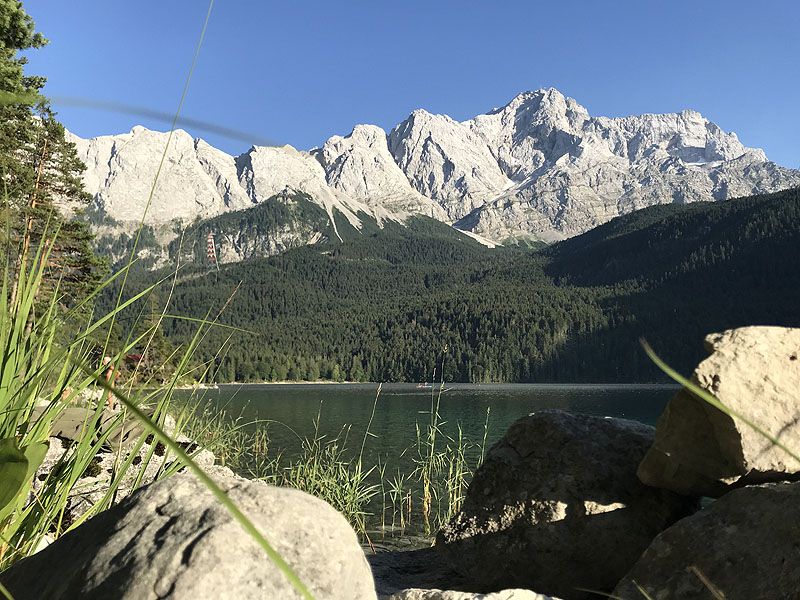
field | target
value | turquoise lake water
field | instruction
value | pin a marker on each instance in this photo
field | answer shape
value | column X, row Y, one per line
column 399, row 409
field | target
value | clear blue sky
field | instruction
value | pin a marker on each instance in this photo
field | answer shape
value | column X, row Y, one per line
column 299, row 72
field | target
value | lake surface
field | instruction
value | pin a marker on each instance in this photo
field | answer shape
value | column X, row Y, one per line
column 401, row 407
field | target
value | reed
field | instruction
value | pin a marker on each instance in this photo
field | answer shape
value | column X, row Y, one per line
column 323, row 467
column 443, row 470
column 394, row 502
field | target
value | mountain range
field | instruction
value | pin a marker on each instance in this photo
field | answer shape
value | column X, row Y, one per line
column 539, row 168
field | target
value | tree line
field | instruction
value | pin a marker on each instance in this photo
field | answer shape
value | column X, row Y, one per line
column 386, row 306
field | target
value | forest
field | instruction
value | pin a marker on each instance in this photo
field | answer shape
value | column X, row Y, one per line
column 393, row 302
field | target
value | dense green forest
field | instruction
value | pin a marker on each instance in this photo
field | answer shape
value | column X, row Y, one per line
column 391, row 303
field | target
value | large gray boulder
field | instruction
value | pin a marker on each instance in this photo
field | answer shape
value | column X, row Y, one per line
column 173, row 539
column 743, row 546
column 699, row 449
column 557, row 506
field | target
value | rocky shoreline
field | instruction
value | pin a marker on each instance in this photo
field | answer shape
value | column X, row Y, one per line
column 566, row 505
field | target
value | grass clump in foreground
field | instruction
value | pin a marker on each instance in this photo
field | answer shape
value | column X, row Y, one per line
column 45, row 364
column 44, row 367
column 47, row 359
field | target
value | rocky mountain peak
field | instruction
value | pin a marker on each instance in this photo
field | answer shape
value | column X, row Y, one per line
column 445, row 161
column 360, row 166
column 538, row 167
column 531, row 130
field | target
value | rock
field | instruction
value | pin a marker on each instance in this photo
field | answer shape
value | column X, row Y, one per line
column 572, row 172
column 360, row 166
column 424, row 568
column 266, row 171
column 121, row 170
column 173, row 539
column 446, row 162
column 743, row 545
column 698, row 449
column 418, row 594
column 538, row 167
column 556, row 506
column 92, row 486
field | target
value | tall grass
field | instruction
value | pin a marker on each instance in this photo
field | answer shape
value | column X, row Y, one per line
column 44, row 367
column 396, row 502
column 324, row 466
column 443, row 469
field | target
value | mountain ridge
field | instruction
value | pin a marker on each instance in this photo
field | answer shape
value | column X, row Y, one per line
column 538, row 168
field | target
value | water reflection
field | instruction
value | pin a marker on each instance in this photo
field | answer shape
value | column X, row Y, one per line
column 402, row 407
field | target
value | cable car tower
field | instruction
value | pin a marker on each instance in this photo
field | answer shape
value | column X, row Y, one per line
column 211, row 252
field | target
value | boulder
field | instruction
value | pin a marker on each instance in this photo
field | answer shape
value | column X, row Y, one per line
column 754, row 371
column 743, row 545
column 556, row 506
column 173, row 539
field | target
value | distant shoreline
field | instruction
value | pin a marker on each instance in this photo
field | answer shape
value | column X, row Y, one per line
column 436, row 385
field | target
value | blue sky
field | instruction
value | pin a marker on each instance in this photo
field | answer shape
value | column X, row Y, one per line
column 297, row 73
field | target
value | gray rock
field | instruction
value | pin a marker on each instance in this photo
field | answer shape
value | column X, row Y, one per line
column 539, row 167
column 424, row 568
column 557, row 506
column 93, row 485
column 360, row 166
column 573, row 172
column 173, row 539
column 743, row 545
column 447, row 162
column 699, row 449
column 420, row 594
column 121, row 170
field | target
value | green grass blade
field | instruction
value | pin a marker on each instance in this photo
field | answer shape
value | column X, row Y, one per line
column 5, row 592
column 207, row 322
column 13, row 472
column 245, row 523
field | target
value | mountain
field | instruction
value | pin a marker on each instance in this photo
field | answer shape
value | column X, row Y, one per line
column 384, row 305
column 538, row 168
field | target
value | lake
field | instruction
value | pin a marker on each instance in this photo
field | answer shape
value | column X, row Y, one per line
column 399, row 407
column 290, row 411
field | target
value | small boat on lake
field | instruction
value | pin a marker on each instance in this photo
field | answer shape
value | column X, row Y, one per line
column 424, row 386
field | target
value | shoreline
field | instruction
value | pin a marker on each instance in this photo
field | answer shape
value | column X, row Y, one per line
column 436, row 386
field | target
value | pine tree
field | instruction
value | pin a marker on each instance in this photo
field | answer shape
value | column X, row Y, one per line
column 40, row 169
column 18, row 95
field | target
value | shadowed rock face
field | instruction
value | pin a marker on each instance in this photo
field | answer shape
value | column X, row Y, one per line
column 173, row 539
column 413, row 569
column 698, row 449
column 743, row 545
column 557, row 506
